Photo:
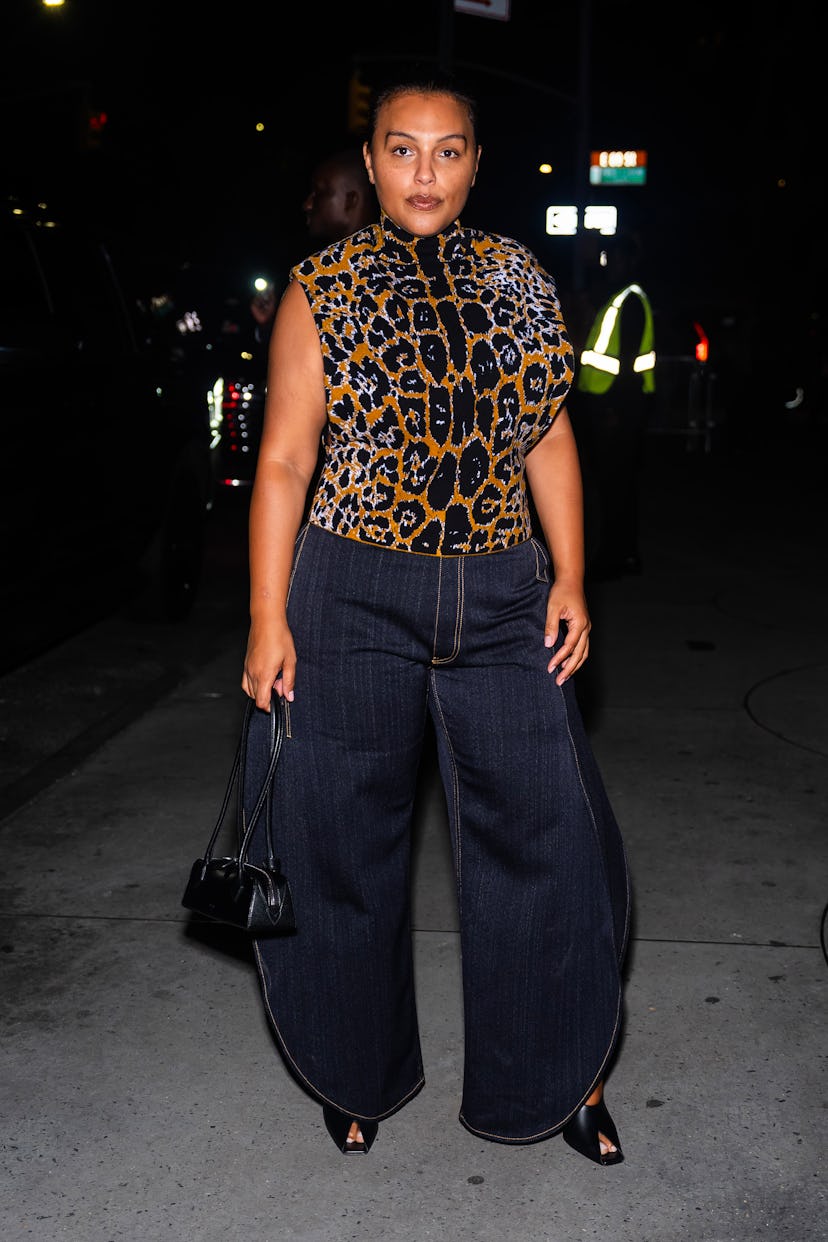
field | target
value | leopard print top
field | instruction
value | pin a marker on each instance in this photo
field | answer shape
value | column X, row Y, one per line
column 446, row 359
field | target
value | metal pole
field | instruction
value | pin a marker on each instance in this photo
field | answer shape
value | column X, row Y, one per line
column 581, row 179
column 445, row 49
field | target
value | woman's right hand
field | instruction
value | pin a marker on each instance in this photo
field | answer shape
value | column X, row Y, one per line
column 270, row 663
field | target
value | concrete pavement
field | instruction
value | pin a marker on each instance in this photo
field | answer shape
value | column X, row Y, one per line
column 142, row 1097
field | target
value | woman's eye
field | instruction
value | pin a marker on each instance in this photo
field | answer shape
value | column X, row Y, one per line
column 400, row 149
column 450, row 153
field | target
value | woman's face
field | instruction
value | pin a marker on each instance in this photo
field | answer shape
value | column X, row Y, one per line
column 422, row 161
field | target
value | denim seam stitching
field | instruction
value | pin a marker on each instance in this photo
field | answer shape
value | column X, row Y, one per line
column 541, row 563
column 458, row 617
column 437, row 609
column 455, row 797
column 320, row 1094
column 588, row 805
column 300, row 545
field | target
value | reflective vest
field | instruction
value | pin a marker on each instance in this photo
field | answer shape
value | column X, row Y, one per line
column 600, row 360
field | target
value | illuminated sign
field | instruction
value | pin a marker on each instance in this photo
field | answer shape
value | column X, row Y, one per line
column 563, row 221
column 618, row 168
column 603, row 219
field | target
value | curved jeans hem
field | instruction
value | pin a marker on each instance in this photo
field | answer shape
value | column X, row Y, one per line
column 550, row 1131
column 383, row 1116
column 303, row 1080
column 508, row 1140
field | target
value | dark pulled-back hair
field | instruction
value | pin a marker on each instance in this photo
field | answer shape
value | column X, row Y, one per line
column 423, row 86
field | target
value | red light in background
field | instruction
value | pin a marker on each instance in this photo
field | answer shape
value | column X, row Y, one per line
column 703, row 344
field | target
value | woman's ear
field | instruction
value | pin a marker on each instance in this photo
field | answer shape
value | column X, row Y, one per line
column 369, row 167
column 476, row 164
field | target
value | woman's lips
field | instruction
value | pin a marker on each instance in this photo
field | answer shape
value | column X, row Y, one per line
column 424, row 202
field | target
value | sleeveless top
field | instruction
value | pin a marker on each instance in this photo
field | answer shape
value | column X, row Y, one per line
column 445, row 359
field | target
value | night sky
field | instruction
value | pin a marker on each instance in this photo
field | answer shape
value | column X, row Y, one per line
column 726, row 107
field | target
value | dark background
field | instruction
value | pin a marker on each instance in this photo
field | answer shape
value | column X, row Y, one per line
column 726, row 103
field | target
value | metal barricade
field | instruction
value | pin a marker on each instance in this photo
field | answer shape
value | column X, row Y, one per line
column 685, row 401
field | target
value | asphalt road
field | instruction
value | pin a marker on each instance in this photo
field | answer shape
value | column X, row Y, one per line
column 63, row 705
column 59, row 708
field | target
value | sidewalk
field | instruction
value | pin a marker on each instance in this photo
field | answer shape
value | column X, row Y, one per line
column 142, row 1097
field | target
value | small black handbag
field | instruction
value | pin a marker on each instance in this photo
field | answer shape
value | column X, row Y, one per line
column 254, row 896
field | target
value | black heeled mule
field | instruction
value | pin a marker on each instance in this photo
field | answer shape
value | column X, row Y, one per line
column 339, row 1124
column 581, row 1133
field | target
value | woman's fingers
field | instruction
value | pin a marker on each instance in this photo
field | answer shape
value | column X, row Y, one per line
column 260, row 689
column 569, row 658
column 262, row 676
column 572, row 653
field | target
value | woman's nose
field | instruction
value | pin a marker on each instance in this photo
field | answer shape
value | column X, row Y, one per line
column 424, row 171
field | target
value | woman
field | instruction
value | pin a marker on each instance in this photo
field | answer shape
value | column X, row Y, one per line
column 435, row 360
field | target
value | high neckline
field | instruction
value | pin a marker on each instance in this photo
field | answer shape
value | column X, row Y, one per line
column 429, row 242
column 430, row 255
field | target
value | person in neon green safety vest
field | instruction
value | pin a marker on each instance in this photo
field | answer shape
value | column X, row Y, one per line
column 610, row 408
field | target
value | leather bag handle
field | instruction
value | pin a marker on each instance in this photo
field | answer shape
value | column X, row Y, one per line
column 277, row 734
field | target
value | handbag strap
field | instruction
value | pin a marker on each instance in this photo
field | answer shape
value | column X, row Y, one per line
column 277, row 733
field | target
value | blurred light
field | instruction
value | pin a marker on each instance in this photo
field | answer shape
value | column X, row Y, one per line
column 781, row 183
column 545, row 168
column 261, row 283
column 603, row 218
column 53, row 4
column 189, row 322
column 259, row 127
column 562, row 221
column 215, row 397
column 618, row 168
column 703, row 344
column 359, row 104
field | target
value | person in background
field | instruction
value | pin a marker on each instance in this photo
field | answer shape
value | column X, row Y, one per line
column 611, row 408
column 437, row 360
column 341, row 200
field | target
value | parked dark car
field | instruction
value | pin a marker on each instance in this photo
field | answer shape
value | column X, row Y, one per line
column 105, row 441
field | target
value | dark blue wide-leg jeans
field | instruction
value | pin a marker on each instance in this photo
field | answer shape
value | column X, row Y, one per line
column 384, row 638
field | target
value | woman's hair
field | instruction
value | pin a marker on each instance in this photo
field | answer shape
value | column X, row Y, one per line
column 426, row 86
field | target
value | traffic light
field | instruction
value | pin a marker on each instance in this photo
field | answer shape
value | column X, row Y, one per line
column 96, row 122
column 359, row 104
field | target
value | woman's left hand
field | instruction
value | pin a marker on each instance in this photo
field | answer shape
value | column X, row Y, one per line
column 567, row 604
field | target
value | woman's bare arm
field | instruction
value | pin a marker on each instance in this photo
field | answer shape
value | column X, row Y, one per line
column 553, row 473
column 293, row 423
